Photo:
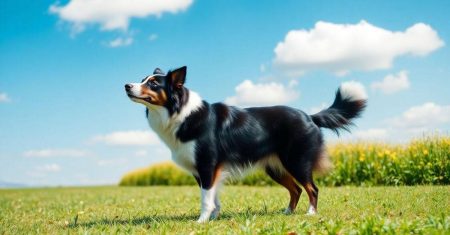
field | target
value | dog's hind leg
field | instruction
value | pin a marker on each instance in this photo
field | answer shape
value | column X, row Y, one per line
column 286, row 180
column 301, row 169
column 313, row 194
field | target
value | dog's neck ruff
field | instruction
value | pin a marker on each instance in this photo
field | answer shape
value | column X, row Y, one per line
column 160, row 119
column 166, row 127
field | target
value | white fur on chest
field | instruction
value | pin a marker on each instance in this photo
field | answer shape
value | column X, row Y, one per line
column 183, row 153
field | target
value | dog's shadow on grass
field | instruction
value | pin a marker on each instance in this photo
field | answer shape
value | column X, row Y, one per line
column 154, row 219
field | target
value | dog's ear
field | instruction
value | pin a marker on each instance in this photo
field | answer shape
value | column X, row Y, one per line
column 158, row 71
column 177, row 77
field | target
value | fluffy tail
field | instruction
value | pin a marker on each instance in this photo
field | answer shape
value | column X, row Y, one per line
column 350, row 101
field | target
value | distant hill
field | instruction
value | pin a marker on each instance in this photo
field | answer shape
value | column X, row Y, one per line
column 5, row 184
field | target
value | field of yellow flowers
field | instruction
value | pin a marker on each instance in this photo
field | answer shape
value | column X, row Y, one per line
column 424, row 161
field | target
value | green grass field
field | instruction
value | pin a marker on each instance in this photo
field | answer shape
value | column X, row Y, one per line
column 245, row 210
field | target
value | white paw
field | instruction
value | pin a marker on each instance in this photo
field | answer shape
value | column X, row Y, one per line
column 288, row 211
column 215, row 213
column 203, row 219
column 311, row 211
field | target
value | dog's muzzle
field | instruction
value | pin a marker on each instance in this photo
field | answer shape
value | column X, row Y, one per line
column 128, row 87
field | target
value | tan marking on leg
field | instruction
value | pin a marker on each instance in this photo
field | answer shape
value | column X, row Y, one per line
column 287, row 181
column 294, row 191
column 312, row 195
column 217, row 173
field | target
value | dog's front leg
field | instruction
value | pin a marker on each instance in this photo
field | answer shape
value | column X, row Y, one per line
column 208, row 183
column 215, row 213
column 207, row 204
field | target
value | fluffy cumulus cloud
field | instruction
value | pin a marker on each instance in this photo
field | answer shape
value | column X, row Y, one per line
column 52, row 152
column 4, row 98
column 261, row 94
column 422, row 118
column 412, row 123
column 121, row 42
column 341, row 48
column 114, row 14
column 49, row 168
column 128, row 138
column 392, row 83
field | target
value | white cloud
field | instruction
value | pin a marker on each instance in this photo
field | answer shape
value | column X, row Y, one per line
column 153, row 37
column 428, row 118
column 56, row 153
column 112, row 162
column 318, row 108
column 121, row 42
column 128, row 138
column 261, row 94
column 141, row 153
column 114, row 14
column 4, row 98
column 392, row 83
column 49, row 168
column 341, row 48
column 422, row 118
column 371, row 134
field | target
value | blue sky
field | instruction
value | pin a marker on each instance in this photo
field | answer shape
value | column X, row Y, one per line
column 65, row 119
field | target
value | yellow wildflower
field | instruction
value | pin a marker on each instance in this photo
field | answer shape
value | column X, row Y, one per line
column 394, row 156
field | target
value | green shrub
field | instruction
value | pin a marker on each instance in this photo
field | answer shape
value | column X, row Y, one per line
column 422, row 161
column 165, row 173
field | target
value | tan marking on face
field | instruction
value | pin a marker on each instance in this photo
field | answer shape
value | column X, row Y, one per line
column 156, row 97
column 162, row 97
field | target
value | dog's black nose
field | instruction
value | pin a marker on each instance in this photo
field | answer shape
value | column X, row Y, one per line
column 128, row 87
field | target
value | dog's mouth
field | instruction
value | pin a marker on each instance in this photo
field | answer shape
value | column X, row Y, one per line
column 146, row 99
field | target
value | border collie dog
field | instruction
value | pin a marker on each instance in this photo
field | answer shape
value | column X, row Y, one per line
column 212, row 141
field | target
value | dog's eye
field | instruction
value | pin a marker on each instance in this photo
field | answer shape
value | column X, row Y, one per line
column 153, row 84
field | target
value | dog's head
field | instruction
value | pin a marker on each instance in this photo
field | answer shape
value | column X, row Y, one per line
column 161, row 90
